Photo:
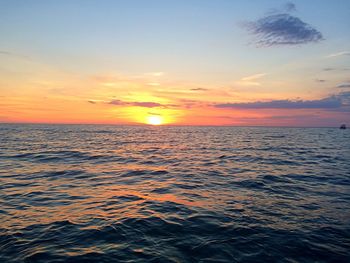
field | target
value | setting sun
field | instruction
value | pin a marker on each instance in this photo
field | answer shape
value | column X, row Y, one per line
column 154, row 120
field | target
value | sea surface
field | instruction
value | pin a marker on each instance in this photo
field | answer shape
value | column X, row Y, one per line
column 95, row 193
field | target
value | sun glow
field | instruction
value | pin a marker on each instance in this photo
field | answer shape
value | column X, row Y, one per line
column 154, row 120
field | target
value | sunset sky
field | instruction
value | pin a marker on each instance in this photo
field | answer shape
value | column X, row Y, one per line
column 183, row 62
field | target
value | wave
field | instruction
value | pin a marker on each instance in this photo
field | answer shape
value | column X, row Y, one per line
column 173, row 194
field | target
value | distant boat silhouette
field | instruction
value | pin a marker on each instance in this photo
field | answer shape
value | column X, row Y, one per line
column 342, row 127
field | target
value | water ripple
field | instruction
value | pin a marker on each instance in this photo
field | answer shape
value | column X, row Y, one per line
column 85, row 193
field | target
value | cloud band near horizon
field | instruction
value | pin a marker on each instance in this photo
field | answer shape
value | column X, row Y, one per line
column 332, row 102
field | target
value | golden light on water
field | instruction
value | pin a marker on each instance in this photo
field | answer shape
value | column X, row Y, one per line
column 154, row 120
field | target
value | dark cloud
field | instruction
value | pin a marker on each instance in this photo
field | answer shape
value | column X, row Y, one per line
column 282, row 29
column 199, row 89
column 117, row 102
column 344, row 85
column 329, row 69
column 145, row 104
column 92, row 101
column 153, row 113
column 294, row 117
column 345, row 94
column 331, row 102
column 345, row 99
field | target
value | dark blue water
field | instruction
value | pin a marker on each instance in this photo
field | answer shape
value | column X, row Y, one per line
column 80, row 193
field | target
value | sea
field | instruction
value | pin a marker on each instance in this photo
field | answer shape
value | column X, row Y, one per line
column 104, row 193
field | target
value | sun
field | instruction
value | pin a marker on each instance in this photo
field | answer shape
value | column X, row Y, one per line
column 154, row 120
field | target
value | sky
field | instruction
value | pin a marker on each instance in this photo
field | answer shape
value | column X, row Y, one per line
column 183, row 62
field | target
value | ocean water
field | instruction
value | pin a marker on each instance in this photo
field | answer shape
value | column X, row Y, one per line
column 94, row 193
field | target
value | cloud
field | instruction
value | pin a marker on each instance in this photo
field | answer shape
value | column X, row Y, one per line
column 339, row 54
column 336, row 69
column 155, row 74
column 199, row 89
column 117, row 102
column 94, row 101
column 251, row 80
column 282, row 29
column 253, row 77
column 154, row 113
column 345, row 98
column 190, row 104
column 320, row 80
column 294, row 117
column 6, row 53
column 331, row 102
column 344, row 85
column 290, row 7
column 11, row 54
column 145, row 104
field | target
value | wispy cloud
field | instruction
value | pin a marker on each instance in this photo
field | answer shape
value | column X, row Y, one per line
column 329, row 69
column 6, row 53
column 251, row 80
column 135, row 103
column 338, row 54
column 145, row 104
column 253, row 77
column 336, row 69
column 320, row 80
column 94, row 101
column 290, row 7
column 282, row 29
column 155, row 74
column 11, row 54
column 154, row 113
column 344, row 85
column 199, row 89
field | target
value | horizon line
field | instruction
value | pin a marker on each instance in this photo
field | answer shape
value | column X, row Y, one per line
column 166, row 125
